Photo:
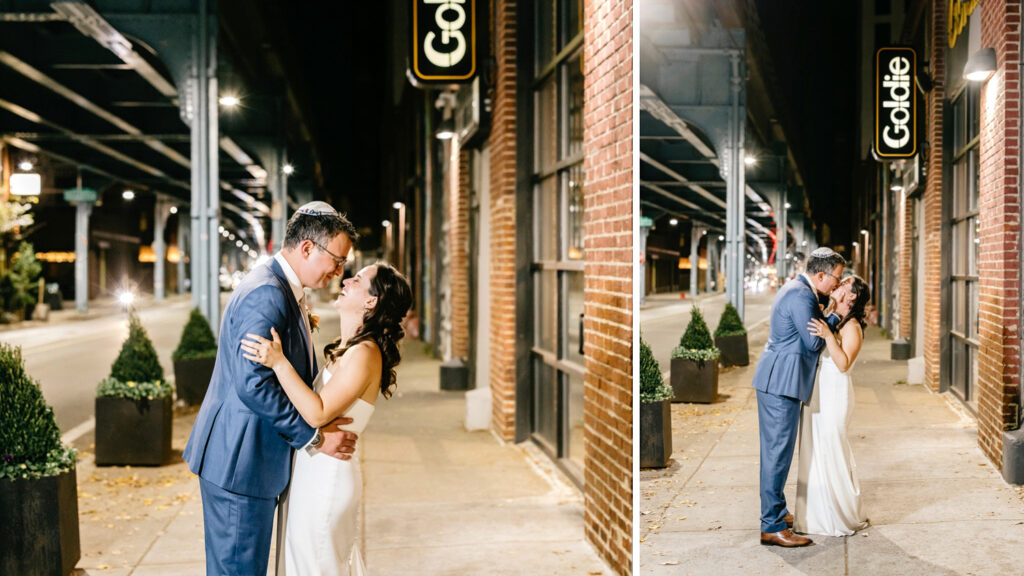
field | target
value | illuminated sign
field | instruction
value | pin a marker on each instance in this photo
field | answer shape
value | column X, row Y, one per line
column 443, row 41
column 26, row 184
column 959, row 12
column 895, row 103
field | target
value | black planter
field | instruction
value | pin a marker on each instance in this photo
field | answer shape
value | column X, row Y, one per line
column 694, row 381
column 655, row 433
column 133, row 432
column 192, row 377
column 39, row 531
column 734, row 350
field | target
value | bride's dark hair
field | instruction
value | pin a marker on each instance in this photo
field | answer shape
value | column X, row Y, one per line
column 382, row 324
column 862, row 294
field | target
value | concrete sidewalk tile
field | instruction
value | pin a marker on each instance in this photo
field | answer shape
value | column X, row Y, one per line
column 557, row 558
column 927, row 501
column 939, row 549
column 737, row 552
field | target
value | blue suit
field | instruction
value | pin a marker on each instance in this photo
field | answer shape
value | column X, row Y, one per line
column 784, row 379
column 242, row 440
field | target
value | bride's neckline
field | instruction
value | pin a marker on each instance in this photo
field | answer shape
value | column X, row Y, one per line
column 327, row 376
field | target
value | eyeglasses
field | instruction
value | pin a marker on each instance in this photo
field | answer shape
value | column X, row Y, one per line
column 837, row 279
column 338, row 262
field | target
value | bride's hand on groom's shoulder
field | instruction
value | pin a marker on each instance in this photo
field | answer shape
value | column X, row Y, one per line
column 338, row 443
column 263, row 351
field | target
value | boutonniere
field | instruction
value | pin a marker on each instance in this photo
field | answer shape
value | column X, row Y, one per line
column 314, row 320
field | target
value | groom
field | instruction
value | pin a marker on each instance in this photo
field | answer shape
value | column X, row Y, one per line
column 784, row 378
column 242, row 440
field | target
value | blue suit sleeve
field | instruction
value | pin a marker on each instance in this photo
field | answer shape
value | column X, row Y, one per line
column 803, row 309
column 833, row 321
column 258, row 387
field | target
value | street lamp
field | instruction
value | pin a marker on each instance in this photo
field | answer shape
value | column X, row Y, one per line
column 387, row 240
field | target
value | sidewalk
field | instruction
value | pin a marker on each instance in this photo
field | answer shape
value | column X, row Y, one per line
column 437, row 499
column 937, row 506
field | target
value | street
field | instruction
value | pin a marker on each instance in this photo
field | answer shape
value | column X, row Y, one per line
column 664, row 318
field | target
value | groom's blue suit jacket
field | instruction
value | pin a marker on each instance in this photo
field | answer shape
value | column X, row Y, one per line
column 243, row 437
column 790, row 358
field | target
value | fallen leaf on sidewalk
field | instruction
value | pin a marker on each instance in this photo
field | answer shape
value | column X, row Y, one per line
column 670, row 563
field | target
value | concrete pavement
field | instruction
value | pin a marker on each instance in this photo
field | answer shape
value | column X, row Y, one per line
column 936, row 505
column 437, row 499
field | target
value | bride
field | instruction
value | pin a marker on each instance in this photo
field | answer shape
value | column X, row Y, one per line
column 828, row 493
column 324, row 494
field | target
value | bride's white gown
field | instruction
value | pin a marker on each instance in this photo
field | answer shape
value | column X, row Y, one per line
column 321, row 535
column 828, row 493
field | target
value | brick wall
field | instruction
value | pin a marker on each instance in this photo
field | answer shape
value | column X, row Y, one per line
column 931, row 235
column 608, row 272
column 458, row 246
column 905, row 225
column 999, row 223
column 503, row 222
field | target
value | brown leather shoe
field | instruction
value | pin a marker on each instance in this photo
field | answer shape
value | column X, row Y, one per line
column 789, row 520
column 785, row 538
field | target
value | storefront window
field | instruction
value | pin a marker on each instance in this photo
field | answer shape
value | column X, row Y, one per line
column 557, row 204
column 963, row 224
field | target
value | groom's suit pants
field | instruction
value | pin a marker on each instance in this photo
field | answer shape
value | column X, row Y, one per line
column 778, row 420
column 237, row 530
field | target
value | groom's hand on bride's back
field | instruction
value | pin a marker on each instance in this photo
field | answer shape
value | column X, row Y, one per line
column 337, row 443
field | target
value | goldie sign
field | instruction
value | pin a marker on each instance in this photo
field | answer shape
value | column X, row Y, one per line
column 895, row 103
column 443, row 41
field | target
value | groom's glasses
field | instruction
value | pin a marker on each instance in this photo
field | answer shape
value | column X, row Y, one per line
column 838, row 279
column 338, row 262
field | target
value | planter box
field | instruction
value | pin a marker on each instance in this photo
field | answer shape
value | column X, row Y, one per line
column 39, row 531
column 693, row 381
column 192, row 377
column 655, row 433
column 734, row 350
column 133, row 432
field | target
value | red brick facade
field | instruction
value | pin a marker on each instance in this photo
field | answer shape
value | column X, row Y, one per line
column 999, row 266
column 458, row 245
column 608, row 278
column 503, row 223
column 999, row 222
column 931, row 235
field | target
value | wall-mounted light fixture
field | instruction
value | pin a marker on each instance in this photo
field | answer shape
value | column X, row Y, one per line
column 981, row 65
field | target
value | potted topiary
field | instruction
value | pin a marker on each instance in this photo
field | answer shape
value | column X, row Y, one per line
column 731, row 338
column 655, row 412
column 695, row 363
column 17, row 287
column 133, row 406
column 194, row 359
column 38, row 489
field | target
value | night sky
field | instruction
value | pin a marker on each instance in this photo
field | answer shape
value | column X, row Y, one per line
column 815, row 58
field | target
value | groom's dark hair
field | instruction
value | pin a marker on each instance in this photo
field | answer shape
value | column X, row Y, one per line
column 318, row 227
column 824, row 264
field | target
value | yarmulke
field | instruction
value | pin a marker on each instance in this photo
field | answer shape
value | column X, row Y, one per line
column 317, row 208
column 823, row 252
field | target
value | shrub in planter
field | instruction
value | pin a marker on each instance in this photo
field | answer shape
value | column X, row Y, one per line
column 133, row 406
column 695, row 363
column 17, row 287
column 655, row 412
column 38, row 490
column 194, row 359
column 731, row 338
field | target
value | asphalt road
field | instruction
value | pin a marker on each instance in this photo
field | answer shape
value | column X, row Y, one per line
column 70, row 358
column 664, row 318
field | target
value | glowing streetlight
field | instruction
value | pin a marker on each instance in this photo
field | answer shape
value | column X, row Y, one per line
column 288, row 169
column 229, row 101
column 25, row 165
column 128, row 194
column 673, row 222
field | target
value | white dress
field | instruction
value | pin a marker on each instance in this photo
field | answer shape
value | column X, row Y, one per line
column 323, row 506
column 828, row 494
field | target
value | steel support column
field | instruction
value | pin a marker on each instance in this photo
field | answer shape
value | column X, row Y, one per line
column 82, row 212
column 205, row 171
column 735, row 189
column 183, row 250
column 644, row 231
column 160, row 215
column 695, row 233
